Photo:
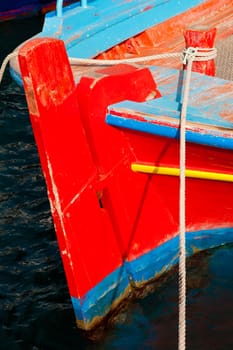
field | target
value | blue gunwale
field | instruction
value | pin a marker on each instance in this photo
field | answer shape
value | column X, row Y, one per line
column 205, row 124
column 99, row 22
column 89, row 31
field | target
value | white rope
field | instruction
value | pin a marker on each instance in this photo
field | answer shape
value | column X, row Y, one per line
column 199, row 54
column 182, row 214
column 191, row 54
column 5, row 62
column 96, row 62
column 100, row 62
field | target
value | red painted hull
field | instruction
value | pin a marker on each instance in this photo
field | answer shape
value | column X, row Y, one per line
column 107, row 216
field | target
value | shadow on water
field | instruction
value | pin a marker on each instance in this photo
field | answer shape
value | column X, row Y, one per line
column 35, row 308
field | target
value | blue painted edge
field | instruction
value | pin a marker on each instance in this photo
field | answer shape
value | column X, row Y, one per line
column 104, row 23
column 97, row 302
column 208, row 139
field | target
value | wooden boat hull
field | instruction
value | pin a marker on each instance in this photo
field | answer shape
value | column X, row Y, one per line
column 117, row 229
column 115, row 212
column 159, row 27
column 95, row 307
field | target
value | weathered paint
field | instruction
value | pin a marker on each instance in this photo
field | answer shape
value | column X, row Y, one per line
column 145, row 268
column 99, row 22
column 167, row 35
column 73, row 187
column 201, row 37
column 115, row 226
column 209, row 114
column 91, row 31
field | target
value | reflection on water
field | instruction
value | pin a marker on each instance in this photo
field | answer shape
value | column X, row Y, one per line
column 35, row 309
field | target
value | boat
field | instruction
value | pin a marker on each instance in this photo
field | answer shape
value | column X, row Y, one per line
column 106, row 84
column 12, row 9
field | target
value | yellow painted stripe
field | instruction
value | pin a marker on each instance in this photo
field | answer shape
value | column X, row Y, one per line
column 208, row 175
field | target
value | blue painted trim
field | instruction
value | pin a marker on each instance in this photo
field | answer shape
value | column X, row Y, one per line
column 172, row 132
column 207, row 117
column 166, row 255
column 98, row 300
column 166, row 106
column 206, row 139
column 206, row 127
column 87, row 31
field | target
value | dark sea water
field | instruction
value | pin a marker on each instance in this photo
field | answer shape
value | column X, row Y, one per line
column 35, row 308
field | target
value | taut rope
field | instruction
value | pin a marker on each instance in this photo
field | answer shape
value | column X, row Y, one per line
column 190, row 55
column 5, row 63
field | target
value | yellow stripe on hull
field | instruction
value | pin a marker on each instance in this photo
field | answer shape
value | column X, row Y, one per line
column 198, row 174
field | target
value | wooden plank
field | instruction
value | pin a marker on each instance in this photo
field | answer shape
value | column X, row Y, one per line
column 209, row 114
column 99, row 22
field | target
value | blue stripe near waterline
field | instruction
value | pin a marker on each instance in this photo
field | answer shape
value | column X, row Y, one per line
column 97, row 302
column 165, row 256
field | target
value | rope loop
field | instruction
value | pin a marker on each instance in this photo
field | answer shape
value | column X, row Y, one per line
column 197, row 54
column 189, row 54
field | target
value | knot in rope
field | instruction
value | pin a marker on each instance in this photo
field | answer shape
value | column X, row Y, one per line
column 189, row 54
column 198, row 54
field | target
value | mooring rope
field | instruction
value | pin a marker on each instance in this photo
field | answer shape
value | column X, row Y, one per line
column 97, row 62
column 190, row 55
column 5, row 63
column 103, row 62
column 182, row 211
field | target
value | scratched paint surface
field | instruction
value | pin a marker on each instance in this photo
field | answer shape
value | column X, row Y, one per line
column 49, row 125
column 210, row 99
column 36, row 311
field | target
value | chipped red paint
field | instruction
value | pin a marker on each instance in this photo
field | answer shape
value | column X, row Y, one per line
column 201, row 37
column 76, row 117
column 168, row 36
column 69, row 195
column 105, row 214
